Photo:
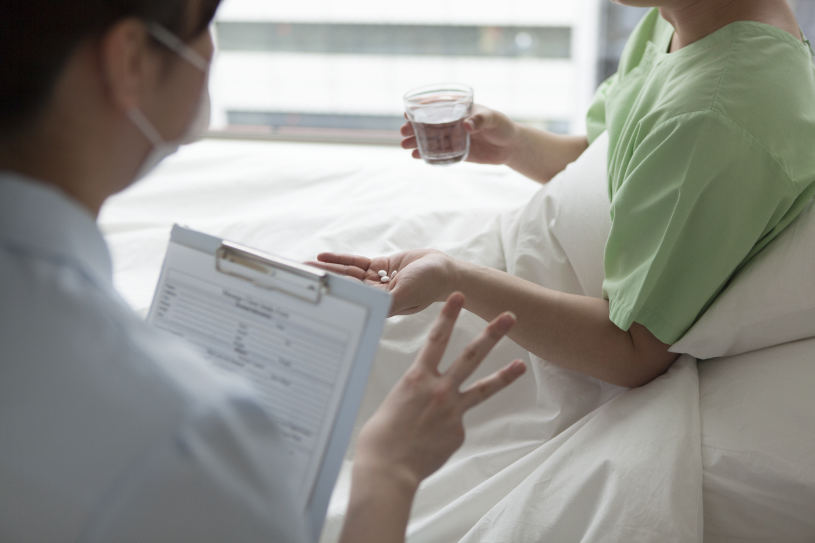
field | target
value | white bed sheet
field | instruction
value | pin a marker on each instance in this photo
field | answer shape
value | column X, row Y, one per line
column 298, row 199
column 562, row 457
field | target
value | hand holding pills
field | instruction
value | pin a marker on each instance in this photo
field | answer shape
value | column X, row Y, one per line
column 415, row 279
column 384, row 277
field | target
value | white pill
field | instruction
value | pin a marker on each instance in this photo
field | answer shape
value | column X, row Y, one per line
column 385, row 279
column 383, row 273
column 393, row 274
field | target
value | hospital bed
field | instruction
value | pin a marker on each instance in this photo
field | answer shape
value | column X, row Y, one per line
column 720, row 449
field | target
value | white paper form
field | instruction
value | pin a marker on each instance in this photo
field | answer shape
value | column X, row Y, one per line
column 297, row 354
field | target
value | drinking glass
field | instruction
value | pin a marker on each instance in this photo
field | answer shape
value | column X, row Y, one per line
column 436, row 113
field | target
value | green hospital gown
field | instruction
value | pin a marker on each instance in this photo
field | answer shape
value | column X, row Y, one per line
column 711, row 156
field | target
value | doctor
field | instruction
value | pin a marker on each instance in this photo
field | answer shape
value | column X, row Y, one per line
column 110, row 431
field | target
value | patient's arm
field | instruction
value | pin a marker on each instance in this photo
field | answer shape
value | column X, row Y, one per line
column 541, row 155
column 496, row 139
column 569, row 330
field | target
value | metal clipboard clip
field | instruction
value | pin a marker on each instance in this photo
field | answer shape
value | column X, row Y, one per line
column 270, row 272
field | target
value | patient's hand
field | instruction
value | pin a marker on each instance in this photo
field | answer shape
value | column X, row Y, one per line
column 493, row 136
column 423, row 276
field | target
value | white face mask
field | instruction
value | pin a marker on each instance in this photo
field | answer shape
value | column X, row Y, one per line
column 199, row 124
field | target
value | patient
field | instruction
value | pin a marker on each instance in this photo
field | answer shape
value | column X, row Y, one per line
column 110, row 430
column 711, row 124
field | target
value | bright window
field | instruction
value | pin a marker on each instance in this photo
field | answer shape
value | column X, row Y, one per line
column 324, row 69
column 336, row 70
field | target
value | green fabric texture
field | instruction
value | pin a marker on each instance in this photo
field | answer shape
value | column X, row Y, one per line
column 711, row 156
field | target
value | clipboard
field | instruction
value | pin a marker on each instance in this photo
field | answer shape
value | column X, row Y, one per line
column 303, row 337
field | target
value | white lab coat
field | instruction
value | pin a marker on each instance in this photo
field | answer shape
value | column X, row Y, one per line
column 110, row 430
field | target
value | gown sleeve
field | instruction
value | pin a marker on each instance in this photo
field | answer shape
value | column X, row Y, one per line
column 698, row 198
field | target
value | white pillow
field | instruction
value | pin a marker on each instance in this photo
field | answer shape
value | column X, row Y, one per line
column 770, row 301
column 757, row 444
column 558, row 238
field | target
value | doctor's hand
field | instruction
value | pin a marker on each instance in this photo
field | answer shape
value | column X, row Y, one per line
column 493, row 136
column 422, row 276
column 418, row 426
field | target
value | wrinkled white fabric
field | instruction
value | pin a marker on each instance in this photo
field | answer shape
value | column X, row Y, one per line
column 327, row 198
column 560, row 457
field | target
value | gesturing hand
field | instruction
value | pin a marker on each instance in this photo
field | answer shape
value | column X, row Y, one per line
column 422, row 276
column 419, row 424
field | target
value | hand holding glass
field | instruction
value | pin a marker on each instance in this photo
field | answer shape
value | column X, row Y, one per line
column 437, row 113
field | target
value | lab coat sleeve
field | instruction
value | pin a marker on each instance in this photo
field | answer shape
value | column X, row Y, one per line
column 221, row 477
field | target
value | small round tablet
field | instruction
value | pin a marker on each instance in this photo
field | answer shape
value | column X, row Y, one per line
column 385, row 279
column 383, row 273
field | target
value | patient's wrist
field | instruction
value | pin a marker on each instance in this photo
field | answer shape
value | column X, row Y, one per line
column 453, row 274
column 518, row 149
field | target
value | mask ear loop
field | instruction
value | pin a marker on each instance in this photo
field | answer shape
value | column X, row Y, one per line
column 146, row 127
column 173, row 42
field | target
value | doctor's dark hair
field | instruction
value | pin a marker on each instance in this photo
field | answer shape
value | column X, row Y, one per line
column 38, row 36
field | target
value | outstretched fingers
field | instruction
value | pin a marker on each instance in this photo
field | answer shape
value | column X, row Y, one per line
column 341, row 269
column 439, row 337
column 350, row 265
column 478, row 349
column 346, row 259
column 488, row 386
